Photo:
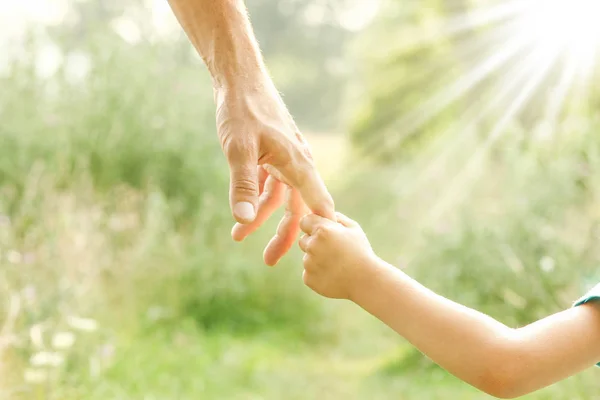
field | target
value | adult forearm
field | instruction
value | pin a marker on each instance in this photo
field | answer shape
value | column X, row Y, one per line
column 220, row 31
column 465, row 342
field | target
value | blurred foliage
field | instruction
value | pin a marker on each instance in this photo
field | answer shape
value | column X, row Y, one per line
column 524, row 245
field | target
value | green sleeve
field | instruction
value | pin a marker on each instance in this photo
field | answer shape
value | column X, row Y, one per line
column 592, row 295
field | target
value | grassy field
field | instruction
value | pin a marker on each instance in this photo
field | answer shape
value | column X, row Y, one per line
column 106, row 257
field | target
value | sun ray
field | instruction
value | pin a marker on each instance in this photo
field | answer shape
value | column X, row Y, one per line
column 555, row 103
column 503, row 90
column 467, row 21
column 457, row 186
column 410, row 124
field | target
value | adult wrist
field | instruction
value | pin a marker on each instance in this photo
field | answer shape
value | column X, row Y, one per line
column 242, row 93
column 244, row 83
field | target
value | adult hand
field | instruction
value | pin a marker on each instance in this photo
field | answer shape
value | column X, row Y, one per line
column 254, row 125
column 268, row 157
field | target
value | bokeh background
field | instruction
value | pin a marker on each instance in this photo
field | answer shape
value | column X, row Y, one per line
column 462, row 134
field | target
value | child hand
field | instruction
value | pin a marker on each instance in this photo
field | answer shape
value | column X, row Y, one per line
column 338, row 255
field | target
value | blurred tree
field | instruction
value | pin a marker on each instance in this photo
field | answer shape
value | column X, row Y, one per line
column 305, row 47
column 85, row 19
column 304, row 43
column 411, row 62
column 448, row 65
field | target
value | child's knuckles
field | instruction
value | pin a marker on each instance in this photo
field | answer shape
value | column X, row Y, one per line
column 304, row 243
column 317, row 233
column 323, row 231
column 305, row 259
column 305, row 277
column 309, row 263
column 308, row 279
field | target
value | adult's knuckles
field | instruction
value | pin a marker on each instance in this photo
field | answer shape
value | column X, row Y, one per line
column 240, row 147
column 244, row 185
column 290, row 155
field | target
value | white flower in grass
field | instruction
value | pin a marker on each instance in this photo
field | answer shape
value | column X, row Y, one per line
column 94, row 367
column 35, row 375
column 547, row 264
column 29, row 294
column 107, row 351
column 156, row 313
column 36, row 336
column 82, row 324
column 4, row 220
column 14, row 257
column 46, row 359
column 63, row 340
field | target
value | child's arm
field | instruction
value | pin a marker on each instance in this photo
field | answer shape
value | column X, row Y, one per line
column 501, row 361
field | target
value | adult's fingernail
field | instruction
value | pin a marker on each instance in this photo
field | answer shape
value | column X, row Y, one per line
column 244, row 212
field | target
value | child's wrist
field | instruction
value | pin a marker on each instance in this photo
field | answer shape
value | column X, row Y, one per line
column 364, row 281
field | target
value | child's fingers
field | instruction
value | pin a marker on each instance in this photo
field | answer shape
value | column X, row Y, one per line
column 347, row 222
column 310, row 222
column 304, row 243
column 309, row 263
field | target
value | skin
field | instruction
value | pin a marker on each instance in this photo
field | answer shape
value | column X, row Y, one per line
column 270, row 162
column 499, row 360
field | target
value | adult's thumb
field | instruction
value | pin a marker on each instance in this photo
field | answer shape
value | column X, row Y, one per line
column 243, row 190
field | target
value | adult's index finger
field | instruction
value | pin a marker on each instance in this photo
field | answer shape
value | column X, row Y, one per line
column 312, row 189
